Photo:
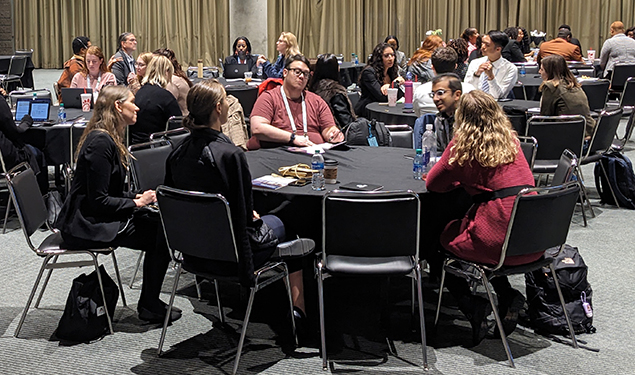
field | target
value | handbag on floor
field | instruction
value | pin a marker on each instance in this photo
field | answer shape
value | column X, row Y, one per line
column 84, row 318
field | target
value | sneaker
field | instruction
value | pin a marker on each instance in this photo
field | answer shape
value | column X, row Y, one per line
column 509, row 311
column 294, row 249
column 154, row 316
column 477, row 314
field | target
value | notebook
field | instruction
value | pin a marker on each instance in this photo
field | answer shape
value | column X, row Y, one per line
column 72, row 99
column 38, row 109
column 235, row 70
column 360, row 186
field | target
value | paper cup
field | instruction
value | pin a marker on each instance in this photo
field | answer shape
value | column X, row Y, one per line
column 590, row 54
column 86, row 102
column 392, row 97
column 248, row 76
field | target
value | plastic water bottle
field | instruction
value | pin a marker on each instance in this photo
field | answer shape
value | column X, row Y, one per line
column 61, row 114
column 317, row 164
column 429, row 148
column 259, row 72
column 417, row 165
column 522, row 70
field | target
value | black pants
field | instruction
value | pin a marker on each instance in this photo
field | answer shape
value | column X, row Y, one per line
column 142, row 232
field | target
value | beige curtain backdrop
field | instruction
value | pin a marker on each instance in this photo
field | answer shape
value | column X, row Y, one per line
column 347, row 26
column 193, row 29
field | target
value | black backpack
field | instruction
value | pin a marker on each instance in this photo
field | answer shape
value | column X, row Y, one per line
column 621, row 179
column 545, row 310
column 357, row 133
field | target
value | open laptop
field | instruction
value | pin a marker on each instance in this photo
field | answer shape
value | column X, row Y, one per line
column 72, row 99
column 235, row 70
column 38, row 109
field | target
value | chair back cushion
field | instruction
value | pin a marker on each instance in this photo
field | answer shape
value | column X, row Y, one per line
column 628, row 95
column 148, row 164
column 27, row 198
column 605, row 130
column 565, row 167
column 555, row 134
column 621, row 72
column 596, row 93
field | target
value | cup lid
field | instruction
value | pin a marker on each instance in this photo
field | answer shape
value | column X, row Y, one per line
column 331, row 162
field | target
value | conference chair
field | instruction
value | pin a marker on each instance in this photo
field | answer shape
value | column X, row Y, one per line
column 621, row 72
column 555, row 134
column 32, row 213
column 596, row 93
column 380, row 239
column 529, row 146
column 174, row 136
column 603, row 136
column 147, row 171
column 199, row 226
column 174, row 122
column 568, row 170
column 619, row 143
column 247, row 96
column 16, row 71
column 401, row 135
column 28, row 94
column 538, row 222
column 3, row 174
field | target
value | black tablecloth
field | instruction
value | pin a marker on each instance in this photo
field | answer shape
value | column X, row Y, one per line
column 391, row 115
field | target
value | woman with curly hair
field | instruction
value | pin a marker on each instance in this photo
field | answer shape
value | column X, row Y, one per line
column 483, row 157
column 460, row 46
column 420, row 65
column 380, row 73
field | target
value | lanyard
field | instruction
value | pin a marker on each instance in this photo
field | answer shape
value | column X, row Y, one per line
column 98, row 82
column 286, row 104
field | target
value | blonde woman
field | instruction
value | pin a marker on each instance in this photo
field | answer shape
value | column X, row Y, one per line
column 287, row 45
column 483, row 157
column 156, row 104
column 135, row 79
column 98, row 212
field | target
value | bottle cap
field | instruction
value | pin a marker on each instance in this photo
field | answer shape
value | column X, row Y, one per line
column 419, row 151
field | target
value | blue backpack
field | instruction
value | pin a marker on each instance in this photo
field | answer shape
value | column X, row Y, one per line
column 621, row 180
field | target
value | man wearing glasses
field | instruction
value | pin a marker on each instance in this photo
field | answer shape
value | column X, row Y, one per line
column 124, row 63
column 446, row 92
column 290, row 115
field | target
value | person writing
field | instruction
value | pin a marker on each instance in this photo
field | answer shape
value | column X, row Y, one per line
column 98, row 212
column 289, row 115
column 95, row 76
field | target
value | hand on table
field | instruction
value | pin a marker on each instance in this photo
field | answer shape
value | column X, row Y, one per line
column 302, row 141
column 334, row 135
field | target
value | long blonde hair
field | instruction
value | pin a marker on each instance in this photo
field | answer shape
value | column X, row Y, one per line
column 106, row 118
column 292, row 44
column 156, row 71
column 482, row 132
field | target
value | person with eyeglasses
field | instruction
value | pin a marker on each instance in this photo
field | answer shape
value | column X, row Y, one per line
column 377, row 77
column 124, row 63
column 287, row 46
column 73, row 65
column 135, row 78
column 290, row 115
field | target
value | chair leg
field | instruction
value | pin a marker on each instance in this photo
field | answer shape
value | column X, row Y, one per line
column 114, row 262
column 585, row 196
column 574, row 342
column 6, row 214
column 46, row 282
column 581, row 196
column 103, row 294
column 320, row 278
column 221, row 312
column 422, row 320
column 197, row 284
column 436, row 317
column 28, row 302
column 288, row 286
column 498, row 319
column 412, row 298
column 244, row 330
column 136, row 269
column 167, row 314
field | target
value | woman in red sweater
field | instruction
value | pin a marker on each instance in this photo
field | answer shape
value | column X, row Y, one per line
column 484, row 156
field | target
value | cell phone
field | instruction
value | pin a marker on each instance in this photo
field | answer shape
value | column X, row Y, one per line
column 408, row 111
column 505, row 100
column 300, row 182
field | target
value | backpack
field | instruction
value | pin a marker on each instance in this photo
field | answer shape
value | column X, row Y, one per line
column 621, row 179
column 84, row 318
column 358, row 133
column 545, row 310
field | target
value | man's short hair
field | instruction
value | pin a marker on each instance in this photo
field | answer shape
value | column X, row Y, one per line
column 79, row 43
column 565, row 26
column 444, row 60
column 617, row 26
column 454, row 82
column 564, row 34
column 298, row 57
column 499, row 38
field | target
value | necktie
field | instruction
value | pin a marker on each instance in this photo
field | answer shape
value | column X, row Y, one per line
column 485, row 83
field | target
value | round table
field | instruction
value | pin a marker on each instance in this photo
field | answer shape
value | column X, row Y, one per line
column 391, row 115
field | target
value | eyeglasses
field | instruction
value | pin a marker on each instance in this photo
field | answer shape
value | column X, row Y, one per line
column 139, row 65
column 387, row 55
column 300, row 72
column 131, row 40
column 440, row 92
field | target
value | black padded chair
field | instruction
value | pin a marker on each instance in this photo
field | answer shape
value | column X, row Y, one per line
column 16, row 71
column 604, row 134
column 596, row 93
column 175, row 136
column 199, row 225
column 567, row 171
column 5, row 186
column 538, row 222
column 529, row 145
column 174, row 122
column 401, row 135
column 555, row 134
column 362, row 247
column 32, row 214
column 621, row 72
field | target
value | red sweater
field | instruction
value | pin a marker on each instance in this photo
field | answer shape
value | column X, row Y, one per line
column 479, row 236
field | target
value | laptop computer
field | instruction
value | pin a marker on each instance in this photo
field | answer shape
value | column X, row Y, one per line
column 38, row 109
column 235, row 70
column 72, row 99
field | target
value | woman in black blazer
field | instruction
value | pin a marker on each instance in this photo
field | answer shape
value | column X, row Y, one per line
column 242, row 55
column 98, row 213
column 380, row 73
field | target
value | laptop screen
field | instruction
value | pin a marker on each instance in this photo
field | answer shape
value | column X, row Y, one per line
column 22, row 108
column 40, row 110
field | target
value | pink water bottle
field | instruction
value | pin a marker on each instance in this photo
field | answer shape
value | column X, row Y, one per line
column 408, row 88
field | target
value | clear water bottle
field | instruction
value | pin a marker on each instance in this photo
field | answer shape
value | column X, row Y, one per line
column 417, row 165
column 61, row 114
column 259, row 71
column 317, row 164
column 356, row 60
column 429, row 148
column 522, row 70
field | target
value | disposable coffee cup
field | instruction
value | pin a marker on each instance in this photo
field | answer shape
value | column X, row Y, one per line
column 340, row 59
column 590, row 54
column 86, row 102
column 330, row 171
column 248, row 76
column 392, row 97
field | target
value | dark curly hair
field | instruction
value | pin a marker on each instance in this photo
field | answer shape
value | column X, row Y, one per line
column 525, row 43
column 377, row 63
column 460, row 46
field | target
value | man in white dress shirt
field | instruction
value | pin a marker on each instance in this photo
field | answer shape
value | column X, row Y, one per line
column 492, row 73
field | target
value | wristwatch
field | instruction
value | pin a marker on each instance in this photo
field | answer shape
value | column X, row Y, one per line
column 292, row 138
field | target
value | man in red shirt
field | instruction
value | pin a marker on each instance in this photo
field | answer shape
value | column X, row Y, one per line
column 289, row 115
column 560, row 46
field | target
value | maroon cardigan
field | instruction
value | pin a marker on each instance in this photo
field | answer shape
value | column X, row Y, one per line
column 480, row 234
